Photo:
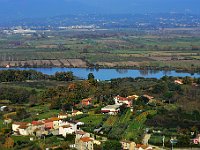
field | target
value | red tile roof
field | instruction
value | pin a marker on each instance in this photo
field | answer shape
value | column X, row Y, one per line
column 55, row 119
column 86, row 139
column 121, row 98
column 47, row 121
column 37, row 123
column 20, row 123
column 66, row 126
column 23, row 127
column 142, row 146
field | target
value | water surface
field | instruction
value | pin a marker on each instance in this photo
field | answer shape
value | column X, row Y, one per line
column 107, row 74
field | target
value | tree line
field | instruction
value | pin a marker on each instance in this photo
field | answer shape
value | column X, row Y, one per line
column 23, row 75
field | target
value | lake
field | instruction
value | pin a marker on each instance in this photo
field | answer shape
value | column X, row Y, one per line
column 107, row 74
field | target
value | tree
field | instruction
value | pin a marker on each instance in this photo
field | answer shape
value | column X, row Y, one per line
column 112, row 145
column 90, row 76
column 160, row 88
column 187, row 80
column 64, row 76
column 91, row 79
column 67, row 107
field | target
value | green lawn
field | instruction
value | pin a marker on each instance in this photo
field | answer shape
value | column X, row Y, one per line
column 92, row 120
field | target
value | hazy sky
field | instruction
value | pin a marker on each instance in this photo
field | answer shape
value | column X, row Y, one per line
column 41, row 8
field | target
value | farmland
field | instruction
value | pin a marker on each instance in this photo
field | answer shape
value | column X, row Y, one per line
column 174, row 110
column 126, row 48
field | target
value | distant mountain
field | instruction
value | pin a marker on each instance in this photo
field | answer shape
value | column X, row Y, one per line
column 16, row 9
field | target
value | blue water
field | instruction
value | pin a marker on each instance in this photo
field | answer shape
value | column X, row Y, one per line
column 107, row 74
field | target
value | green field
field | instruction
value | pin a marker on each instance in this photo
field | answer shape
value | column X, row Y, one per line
column 155, row 49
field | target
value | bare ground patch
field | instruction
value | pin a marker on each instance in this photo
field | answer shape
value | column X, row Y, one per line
column 45, row 63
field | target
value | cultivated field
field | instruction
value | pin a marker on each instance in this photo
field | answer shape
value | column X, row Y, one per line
column 111, row 48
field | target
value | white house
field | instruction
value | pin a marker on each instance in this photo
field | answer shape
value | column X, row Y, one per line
column 111, row 109
column 122, row 100
column 85, row 143
column 62, row 115
column 81, row 134
column 23, row 128
column 7, row 121
column 15, row 125
column 55, row 122
column 65, row 129
column 128, row 145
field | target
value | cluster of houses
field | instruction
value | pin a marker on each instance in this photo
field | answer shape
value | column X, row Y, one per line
column 56, row 126
column 60, row 125
column 119, row 101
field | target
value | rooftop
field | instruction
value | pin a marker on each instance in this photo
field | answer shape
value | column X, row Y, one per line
column 66, row 126
column 21, row 123
column 111, row 107
column 37, row 123
column 23, row 126
column 87, row 99
column 86, row 139
column 75, row 111
column 54, row 119
column 80, row 132
column 121, row 98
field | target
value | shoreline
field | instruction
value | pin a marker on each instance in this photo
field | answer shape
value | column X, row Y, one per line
column 145, row 68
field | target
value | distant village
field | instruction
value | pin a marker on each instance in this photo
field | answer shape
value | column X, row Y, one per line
column 64, row 125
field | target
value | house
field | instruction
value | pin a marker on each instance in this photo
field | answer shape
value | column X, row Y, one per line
column 25, row 130
column 111, row 109
column 38, row 125
column 16, row 125
column 133, row 97
column 196, row 140
column 63, row 115
column 40, row 133
column 7, row 121
column 55, row 122
column 122, row 100
column 48, row 124
column 143, row 147
column 86, row 102
column 180, row 82
column 128, row 145
column 80, row 134
column 76, row 112
column 85, row 143
column 74, row 125
column 65, row 129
